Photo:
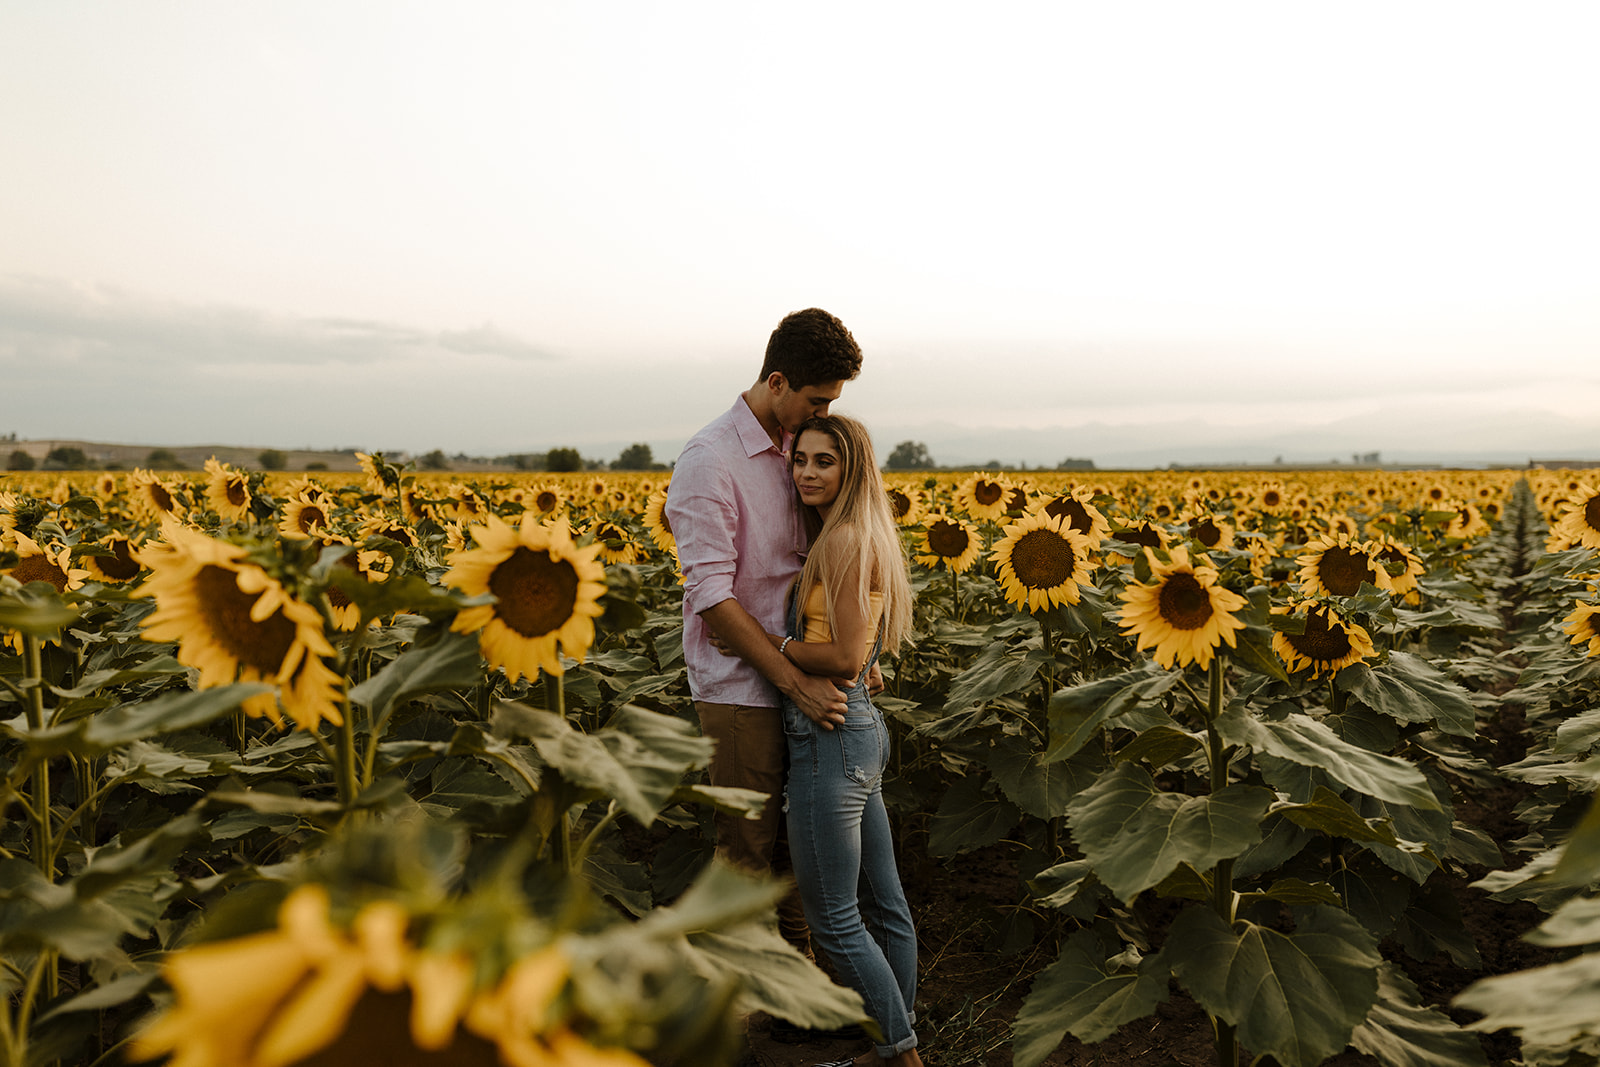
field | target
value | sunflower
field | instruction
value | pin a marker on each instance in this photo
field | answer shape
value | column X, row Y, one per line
column 48, row 563
column 547, row 500
column 1581, row 625
column 1335, row 566
column 413, row 506
column 304, row 517
column 1017, row 497
column 234, row 622
column 1080, row 513
column 549, row 593
column 153, row 498
column 1467, row 522
column 983, row 496
column 1211, row 532
column 1581, row 524
column 105, row 486
column 1183, row 613
column 904, row 505
column 1041, row 561
column 228, row 491
column 118, row 567
column 374, row 473
column 949, row 541
column 1329, row 644
column 467, row 505
column 1128, row 540
column 383, row 526
column 371, row 564
column 655, row 521
column 616, row 545
column 1404, row 566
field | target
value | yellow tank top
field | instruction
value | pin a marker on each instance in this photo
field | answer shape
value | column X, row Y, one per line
column 816, row 617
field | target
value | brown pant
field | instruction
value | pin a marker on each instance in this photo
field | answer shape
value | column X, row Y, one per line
column 751, row 753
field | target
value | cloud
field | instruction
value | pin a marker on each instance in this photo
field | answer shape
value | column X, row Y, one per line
column 47, row 325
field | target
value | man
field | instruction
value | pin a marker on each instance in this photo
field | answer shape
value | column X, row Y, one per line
column 741, row 543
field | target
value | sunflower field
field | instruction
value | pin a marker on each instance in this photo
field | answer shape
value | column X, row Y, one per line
column 305, row 770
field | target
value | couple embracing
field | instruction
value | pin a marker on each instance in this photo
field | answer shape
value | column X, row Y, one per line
column 794, row 582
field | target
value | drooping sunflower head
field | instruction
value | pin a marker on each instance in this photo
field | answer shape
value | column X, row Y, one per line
column 1131, row 540
column 548, row 592
column 1330, row 642
column 1211, row 532
column 656, row 522
column 616, row 544
column 116, row 568
column 1333, row 565
column 1041, row 562
column 1077, row 508
column 1467, row 522
column 983, row 496
column 234, row 622
column 1182, row 613
column 949, row 542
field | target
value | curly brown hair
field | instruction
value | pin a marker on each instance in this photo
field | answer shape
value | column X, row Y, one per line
column 811, row 347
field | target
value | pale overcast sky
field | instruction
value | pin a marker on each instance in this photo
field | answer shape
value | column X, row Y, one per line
column 1133, row 232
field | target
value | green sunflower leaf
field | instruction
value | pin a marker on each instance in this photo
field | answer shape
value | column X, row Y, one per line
column 1136, row 835
column 1400, row 1032
column 1294, row 996
column 1076, row 714
column 1300, row 739
column 1083, row 994
column 1039, row 786
column 452, row 662
column 969, row 818
column 1409, row 689
column 998, row 670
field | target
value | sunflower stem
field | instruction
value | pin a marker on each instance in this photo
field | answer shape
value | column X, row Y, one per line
column 43, row 852
column 349, row 784
column 1222, row 895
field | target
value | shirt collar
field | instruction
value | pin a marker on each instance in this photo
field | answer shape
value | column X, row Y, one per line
column 753, row 437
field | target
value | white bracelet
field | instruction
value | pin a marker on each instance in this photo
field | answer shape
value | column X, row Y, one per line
column 784, row 645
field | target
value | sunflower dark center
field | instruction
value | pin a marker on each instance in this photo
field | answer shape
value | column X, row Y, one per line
column 1591, row 513
column 39, row 569
column 226, row 610
column 120, row 565
column 237, row 496
column 1078, row 516
column 899, row 503
column 1321, row 643
column 1271, row 498
column 537, row 591
column 947, row 539
column 546, row 501
column 1343, row 569
column 1042, row 559
column 1206, row 532
column 1185, row 604
column 1145, row 535
column 160, row 497
column 986, row 492
column 1017, row 500
column 311, row 517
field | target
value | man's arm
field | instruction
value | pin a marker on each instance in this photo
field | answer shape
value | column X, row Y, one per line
column 819, row 698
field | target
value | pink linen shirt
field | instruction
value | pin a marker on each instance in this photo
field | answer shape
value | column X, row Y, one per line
column 732, row 508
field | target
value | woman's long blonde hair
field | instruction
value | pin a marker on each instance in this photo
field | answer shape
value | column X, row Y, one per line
column 861, row 530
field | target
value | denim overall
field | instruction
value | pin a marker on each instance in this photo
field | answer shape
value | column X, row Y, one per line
column 843, row 856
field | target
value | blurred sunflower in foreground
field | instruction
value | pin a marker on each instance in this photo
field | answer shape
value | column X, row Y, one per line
column 234, row 622
column 310, row 992
column 1182, row 613
column 548, row 591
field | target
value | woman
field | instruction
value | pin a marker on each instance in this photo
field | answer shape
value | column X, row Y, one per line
column 853, row 599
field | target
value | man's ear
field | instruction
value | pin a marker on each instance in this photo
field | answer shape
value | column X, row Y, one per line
column 776, row 381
